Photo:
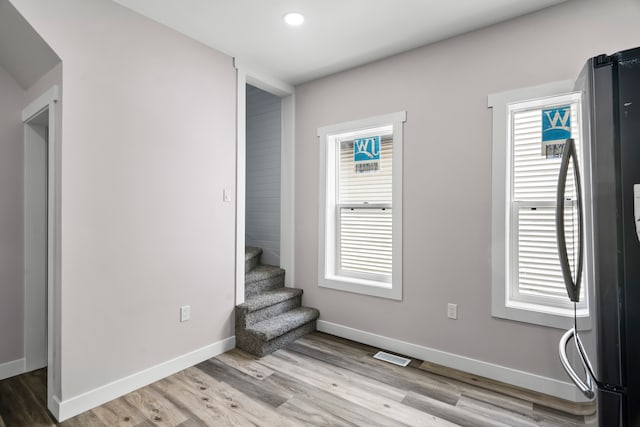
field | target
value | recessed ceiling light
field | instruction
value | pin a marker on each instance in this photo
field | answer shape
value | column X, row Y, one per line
column 294, row 19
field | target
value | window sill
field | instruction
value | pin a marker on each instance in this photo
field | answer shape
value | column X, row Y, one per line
column 535, row 314
column 362, row 286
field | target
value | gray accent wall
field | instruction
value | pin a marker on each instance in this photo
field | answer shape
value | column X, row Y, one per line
column 148, row 146
column 447, row 174
column 264, row 137
column 11, row 220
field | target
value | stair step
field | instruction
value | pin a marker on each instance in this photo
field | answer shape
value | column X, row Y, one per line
column 252, row 257
column 266, row 305
column 283, row 323
column 268, row 298
column 263, row 278
column 276, row 332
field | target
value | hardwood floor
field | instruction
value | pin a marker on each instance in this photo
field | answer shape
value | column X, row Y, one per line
column 319, row 380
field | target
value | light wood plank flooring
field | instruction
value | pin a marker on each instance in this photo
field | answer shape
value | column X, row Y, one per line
column 319, row 380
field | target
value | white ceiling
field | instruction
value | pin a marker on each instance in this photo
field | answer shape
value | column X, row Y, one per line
column 337, row 34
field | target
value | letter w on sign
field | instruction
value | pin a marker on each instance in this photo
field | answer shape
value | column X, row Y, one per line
column 556, row 123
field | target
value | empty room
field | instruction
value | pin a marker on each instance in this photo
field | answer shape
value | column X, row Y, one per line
column 319, row 213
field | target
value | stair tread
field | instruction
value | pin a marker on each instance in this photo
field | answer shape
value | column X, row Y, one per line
column 262, row 272
column 251, row 251
column 283, row 323
column 268, row 298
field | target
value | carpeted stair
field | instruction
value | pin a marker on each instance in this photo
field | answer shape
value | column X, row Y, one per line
column 271, row 316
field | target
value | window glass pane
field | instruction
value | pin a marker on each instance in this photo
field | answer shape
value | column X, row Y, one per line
column 373, row 186
column 534, row 176
column 539, row 272
column 366, row 240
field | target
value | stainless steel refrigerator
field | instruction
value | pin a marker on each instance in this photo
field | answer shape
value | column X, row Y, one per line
column 610, row 86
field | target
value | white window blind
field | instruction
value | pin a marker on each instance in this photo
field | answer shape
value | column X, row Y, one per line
column 364, row 212
column 536, row 273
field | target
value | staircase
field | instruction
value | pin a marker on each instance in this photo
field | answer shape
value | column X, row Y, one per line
column 271, row 316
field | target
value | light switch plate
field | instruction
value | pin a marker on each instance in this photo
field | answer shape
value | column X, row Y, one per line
column 185, row 313
column 452, row 311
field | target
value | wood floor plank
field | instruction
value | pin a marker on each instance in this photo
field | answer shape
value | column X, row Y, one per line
column 161, row 388
column 17, row 405
column 400, row 379
column 335, row 376
column 191, row 423
column 450, row 413
column 348, row 389
column 254, row 411
column 197, row 403
column 549, row 416
column 337, row 344
column 36, row 392
column 155, row 408
column 330, row 403
column 579, row 409
column 119, row 413
column 509, row 403
column 36, row 381
column 305, row 411
column 255, row 389
column 244, row 362
column 86, row 419
column 498, row 414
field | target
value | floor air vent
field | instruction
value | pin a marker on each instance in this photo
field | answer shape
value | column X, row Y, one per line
column 391, row 358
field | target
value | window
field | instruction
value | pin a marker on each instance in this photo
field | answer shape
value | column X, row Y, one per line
column 527, row 282
column 361, row 206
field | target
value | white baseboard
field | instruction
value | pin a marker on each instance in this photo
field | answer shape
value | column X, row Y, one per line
column 538, row 383
column 67, row 408
column 13, row 368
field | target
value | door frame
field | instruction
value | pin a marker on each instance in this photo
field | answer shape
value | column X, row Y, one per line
column 47, row 100
column 286, row 93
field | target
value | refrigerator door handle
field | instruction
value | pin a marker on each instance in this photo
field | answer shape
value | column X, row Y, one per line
column 587, row 388
column 573, row 288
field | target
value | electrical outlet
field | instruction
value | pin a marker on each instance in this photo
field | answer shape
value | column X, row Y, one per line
column 185, row 313
column 452, row 311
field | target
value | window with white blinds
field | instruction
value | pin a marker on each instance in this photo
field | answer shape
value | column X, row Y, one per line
column 360, row 245
column 365, row 227
column 536, row 276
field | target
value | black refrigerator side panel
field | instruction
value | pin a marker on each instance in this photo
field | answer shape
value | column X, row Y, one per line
column 610, row 409
column 606, row 212
column 628, row 106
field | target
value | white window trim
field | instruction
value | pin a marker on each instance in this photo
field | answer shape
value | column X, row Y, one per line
column 327, row 247
column 500, row 305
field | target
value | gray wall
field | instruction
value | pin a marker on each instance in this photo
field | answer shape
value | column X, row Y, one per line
column 447, row 174
column 11, row 246
column 263, row 173
column 148, row 145
column 32, row 68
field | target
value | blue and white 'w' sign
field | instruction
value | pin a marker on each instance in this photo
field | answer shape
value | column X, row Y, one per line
column 366, row 149
column 556, row 123
column 366, row 154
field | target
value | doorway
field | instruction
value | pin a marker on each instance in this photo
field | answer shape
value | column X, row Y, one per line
column 40, row 243
column 284, row 97
column 263, row 173
column 36, row 145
